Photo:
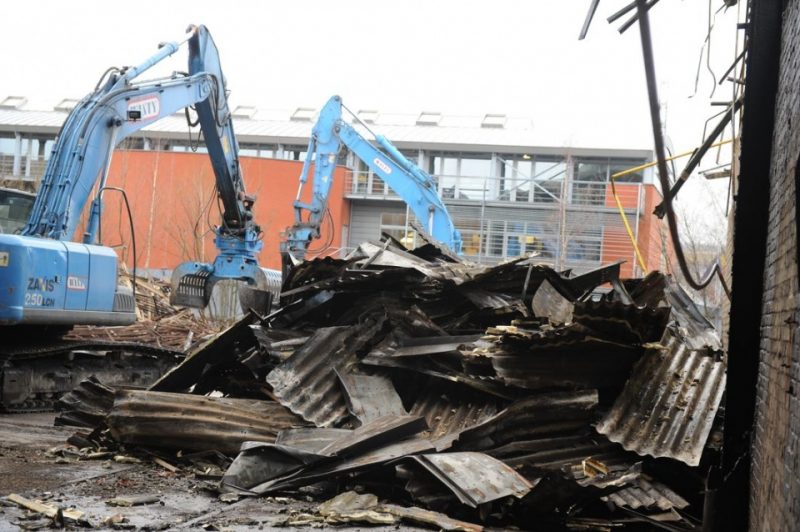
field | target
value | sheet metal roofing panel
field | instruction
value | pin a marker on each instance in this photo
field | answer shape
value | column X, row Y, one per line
column 449, row 408
column 370, row 397
column 307, row 382
column 31, row 121
column 453, row 132
column 475, row 478
column 192, row 422
column 668, row 405
column 649, row 494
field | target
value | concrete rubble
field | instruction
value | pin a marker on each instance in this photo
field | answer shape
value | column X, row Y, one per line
column 407, row 386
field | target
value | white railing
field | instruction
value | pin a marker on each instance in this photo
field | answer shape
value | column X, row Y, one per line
column 366, row 185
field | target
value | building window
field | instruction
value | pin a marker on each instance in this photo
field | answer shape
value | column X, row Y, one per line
column 394, row 225
column 620, row 165
column 548, row 177
column 462, row 176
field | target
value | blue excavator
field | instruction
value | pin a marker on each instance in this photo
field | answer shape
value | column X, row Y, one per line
column 47, row 279
column 49, row 282
column 417, row 188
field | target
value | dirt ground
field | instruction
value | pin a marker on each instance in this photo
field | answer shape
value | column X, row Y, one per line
column 184, row 503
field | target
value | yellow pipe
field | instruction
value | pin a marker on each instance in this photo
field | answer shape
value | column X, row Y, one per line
column 619, row 203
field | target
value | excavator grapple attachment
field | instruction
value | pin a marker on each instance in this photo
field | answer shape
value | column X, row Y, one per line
column 193, row 285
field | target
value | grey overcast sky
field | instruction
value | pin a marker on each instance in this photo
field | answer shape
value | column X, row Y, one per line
column 517, row 57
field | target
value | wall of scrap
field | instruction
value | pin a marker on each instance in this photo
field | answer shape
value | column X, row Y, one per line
column 775, row 483
column 173, row 203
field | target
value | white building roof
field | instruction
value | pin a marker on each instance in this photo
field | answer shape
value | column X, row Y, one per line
column 451, row 132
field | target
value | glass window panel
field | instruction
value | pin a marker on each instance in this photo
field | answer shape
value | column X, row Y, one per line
column 476, row 167
column 7, row 146
column 392, row 218
column 620, row 165
column 48, row 149
column 14, row 211
column 548, row 170
column 594, row 170
column 445, row 165
column 525, row 169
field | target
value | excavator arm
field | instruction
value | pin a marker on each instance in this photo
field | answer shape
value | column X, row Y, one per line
column 414, row 186
column 45, row 278
column 238, row 238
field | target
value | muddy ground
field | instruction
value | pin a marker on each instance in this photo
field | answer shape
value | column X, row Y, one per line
column 184, row 503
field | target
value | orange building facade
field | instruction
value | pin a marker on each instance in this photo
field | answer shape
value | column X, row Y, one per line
column 174, row 207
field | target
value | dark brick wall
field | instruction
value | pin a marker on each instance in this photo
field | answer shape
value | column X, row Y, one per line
column 775, row 468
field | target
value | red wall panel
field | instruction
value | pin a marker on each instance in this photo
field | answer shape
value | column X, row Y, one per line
column 174, row 206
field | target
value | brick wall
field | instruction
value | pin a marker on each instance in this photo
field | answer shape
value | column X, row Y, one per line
column 775, row 473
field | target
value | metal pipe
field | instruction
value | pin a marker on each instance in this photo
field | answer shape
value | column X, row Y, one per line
column 658, row 141
column 165, row 50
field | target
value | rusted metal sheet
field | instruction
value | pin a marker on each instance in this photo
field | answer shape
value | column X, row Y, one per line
column 431, row 345
column 310, row 439
column 584, row 363
column 262, row 468
column 449, row 408
column 307, row 383
column 647, row 493
column 259, row 463
column 222, row 347
column 623, row 323
column 475, row 478
column 668, row 406
column 370, row 397
column 381, row 431
column 525, row 416
column 550, row 303
column 184, row 421
column 85, row 406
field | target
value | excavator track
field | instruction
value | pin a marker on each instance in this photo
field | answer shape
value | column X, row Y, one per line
column 34, row 374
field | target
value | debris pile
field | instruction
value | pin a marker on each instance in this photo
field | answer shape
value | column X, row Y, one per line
column 459, row 396
column 158, row 322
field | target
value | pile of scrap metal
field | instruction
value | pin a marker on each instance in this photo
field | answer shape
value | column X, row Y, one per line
column 506, row 395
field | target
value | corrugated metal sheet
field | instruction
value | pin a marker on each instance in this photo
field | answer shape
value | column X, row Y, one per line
column 475, row 478
column 530, row 418
column 550, row 303
column 668, row 406
column 621, row 322
column 588, row 362
column 449, row 408
column 310, row 439
column 307, row 383
column 191, row 422
column 370, row 397
column 647, row 493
